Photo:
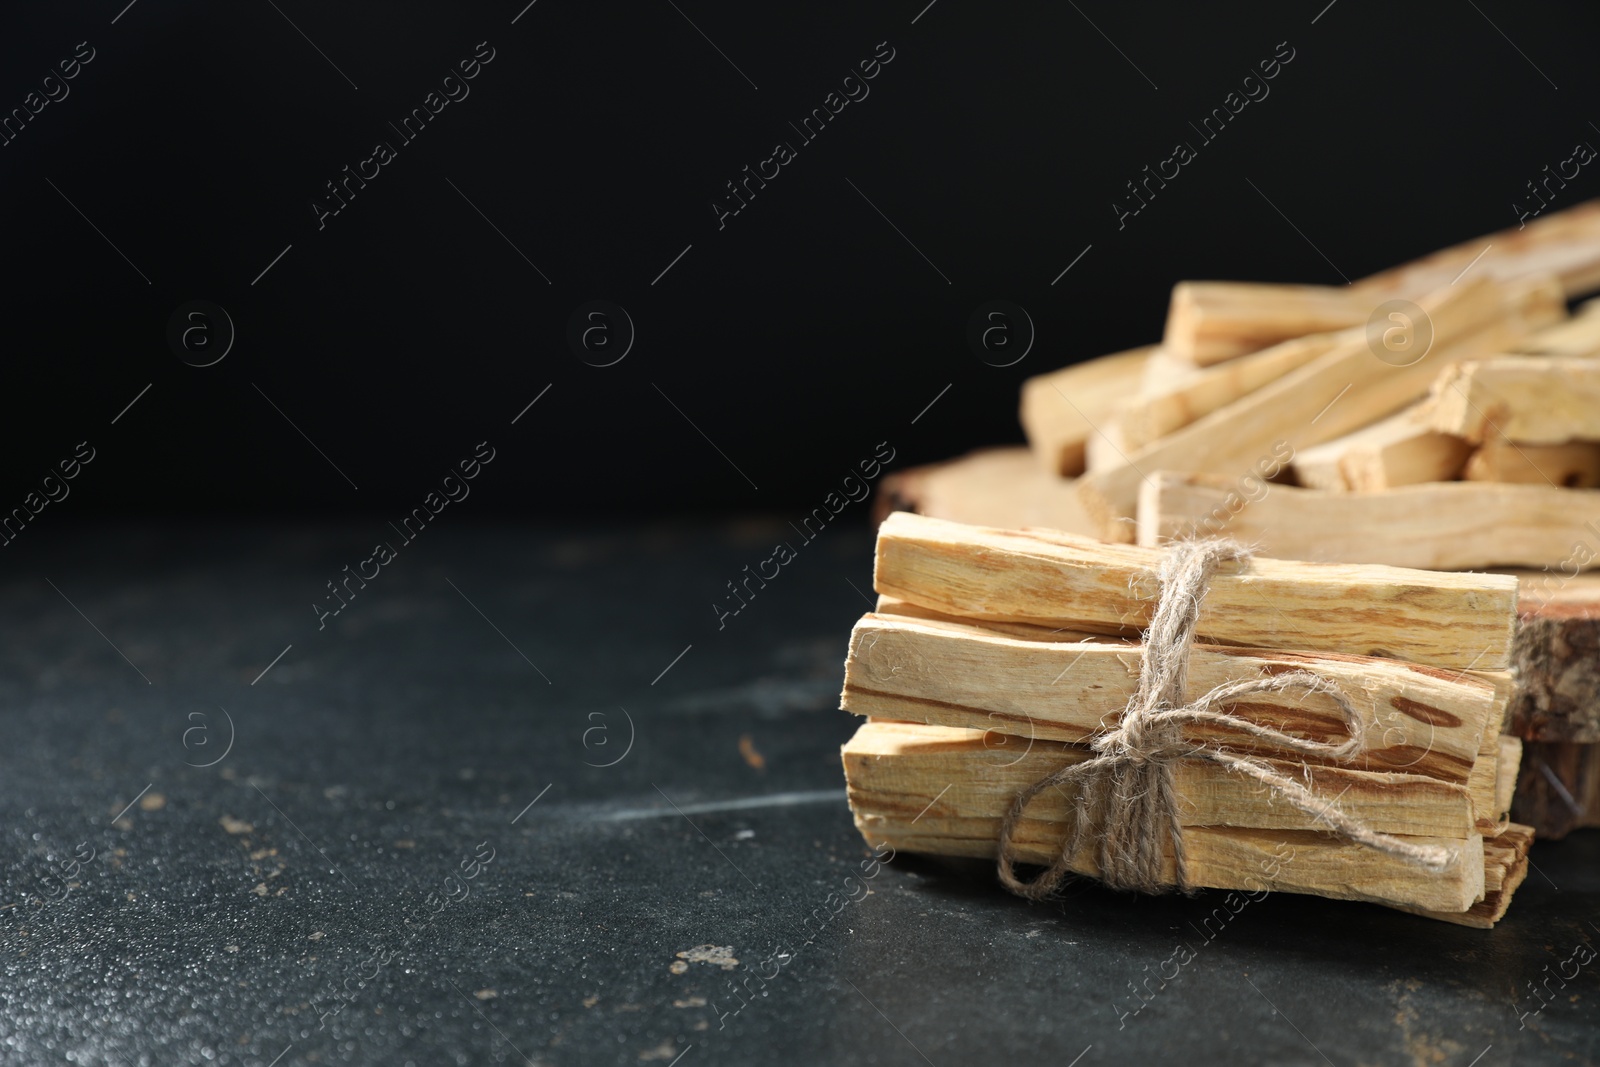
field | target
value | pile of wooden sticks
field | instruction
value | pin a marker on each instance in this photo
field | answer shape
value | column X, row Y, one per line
column 994, row 657
column 1441, row 415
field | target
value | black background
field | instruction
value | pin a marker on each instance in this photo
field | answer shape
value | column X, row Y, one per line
column 797, row 337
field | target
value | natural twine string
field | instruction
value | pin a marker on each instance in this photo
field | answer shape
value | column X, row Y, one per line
column 1124, row 802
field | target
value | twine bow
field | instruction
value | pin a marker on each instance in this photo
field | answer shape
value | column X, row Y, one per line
column 1125, row 802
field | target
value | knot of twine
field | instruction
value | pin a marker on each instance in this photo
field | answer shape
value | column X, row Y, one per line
column 1125, row 802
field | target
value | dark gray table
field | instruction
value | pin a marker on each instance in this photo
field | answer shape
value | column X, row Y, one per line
column 414, row 851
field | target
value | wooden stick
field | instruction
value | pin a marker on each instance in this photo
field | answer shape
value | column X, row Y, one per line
column 1213, row 321
column 1572, row 464
column 939, row 773
column 1505, row 865
column 1577, row 336
column 1343, row 390
column 1510, row 763
column 1399, row 450
column 1163, row 407
column 1526, row 399
column 1564, row 243
column 1059, row 580
column 1492, row 775
column 929, row 788
column 1415, row 720
column 1209, row 322
column 990, row 487
column 1060, row 410
column 1447, row 525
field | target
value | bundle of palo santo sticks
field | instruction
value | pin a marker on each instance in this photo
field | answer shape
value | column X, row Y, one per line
column 995, row 656
column 1444, row 415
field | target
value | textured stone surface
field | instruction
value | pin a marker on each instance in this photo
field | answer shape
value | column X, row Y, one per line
column 380, row 760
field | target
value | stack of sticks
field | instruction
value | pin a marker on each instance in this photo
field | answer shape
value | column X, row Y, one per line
column 995, row 656
column 1444, row 415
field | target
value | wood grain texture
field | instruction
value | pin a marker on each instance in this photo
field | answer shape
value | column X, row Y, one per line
column 919, row 788
column 938, row 773
column 1556, row 653
column 1527, row 399
column 1345, row 389
column 1061, row 410
column 1059, row 580
column 1002, row 487
column 1444, row 525
column 1510, row 766
column 1505, row 865
column 1414, row 720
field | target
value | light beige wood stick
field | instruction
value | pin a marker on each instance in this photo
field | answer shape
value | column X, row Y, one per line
column 937, row 773
column 1163, row 372
column 1399, row 450
column 1343, row 390
column 1563, row 243
column 932, row 789
column 1570, row 465
column 1210, row 322
column 1510, row 766
column 1061, row 410
column 1414, row 720
column 1002, row 487
column 1059, row 580
column 1108, row 447
column 1539, row 400
column 1163, row 407
column 1505, row 865
column 1577, row 336
column 1484, row 784
column 1449, row 525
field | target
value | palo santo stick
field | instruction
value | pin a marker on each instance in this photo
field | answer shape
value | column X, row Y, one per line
column 1484, row 784
column 932, row 789
column 1571, row 465
column 1539, row 400
column 1399, row 450
column 1563, row 243
column 1448, row 525
column 1163, row 407
column 991, row 487
column 1060, row 410
column 1058, row 580
column 1505, row 865
column 1415, row 720
column 938, row 773
column 1510, row 763
column 1107, row 447
column 1209, row 322
column 1163, row 371
column 1343, row 390
column 1578, row 336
